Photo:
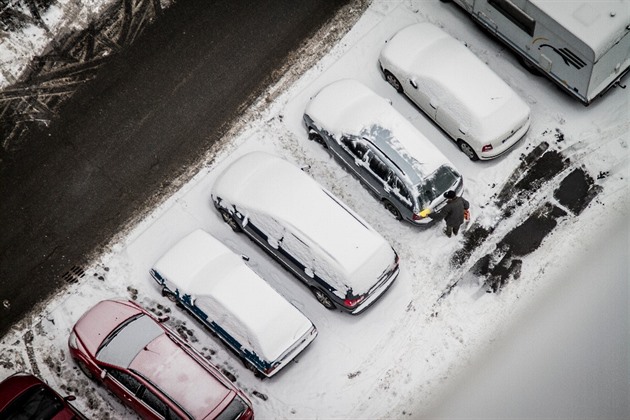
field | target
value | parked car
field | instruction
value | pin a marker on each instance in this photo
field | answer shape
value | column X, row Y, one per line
column 24, row 396
column 150, row 368
column 214, row 285
column 481, row 113
column 345, row 263
column 398, row 164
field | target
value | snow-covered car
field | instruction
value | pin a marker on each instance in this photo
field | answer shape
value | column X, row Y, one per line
column 458, row 91
column 396, row 162
column 214, row 285
column 338, row 255
column 24, row 396
column 151, row 369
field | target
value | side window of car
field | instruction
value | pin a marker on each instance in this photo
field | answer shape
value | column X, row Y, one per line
column 355, row 147
column 400, row 189
column 126, row 380
column 268, row 226
column 379, row 168
column 159, row 406
column 299, row 252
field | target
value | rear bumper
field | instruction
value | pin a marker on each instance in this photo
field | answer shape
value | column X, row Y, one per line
column 376, row 293
column 507, row 144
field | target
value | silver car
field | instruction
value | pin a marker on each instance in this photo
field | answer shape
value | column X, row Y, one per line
column 396, row 162
column 454, row 88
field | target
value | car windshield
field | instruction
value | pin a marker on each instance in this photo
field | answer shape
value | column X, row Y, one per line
column 123, row 344
column 436, row 184
column 36, row 403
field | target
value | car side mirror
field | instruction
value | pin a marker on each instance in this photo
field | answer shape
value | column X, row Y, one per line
column 245, row 257
column 163, row 318
column 103, row 374
column 70, row 398
column 413, row 84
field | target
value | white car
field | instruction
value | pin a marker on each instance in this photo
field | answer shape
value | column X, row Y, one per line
column 482, row 114
column 338, row 255
column 214, row 285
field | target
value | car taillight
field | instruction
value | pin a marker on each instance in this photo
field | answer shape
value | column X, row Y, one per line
column 486, row 148
column 351, row 303
column 415, row 217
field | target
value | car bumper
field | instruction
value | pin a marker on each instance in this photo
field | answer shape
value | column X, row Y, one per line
column 507, row 144
column 305, row 341
column 376, row 294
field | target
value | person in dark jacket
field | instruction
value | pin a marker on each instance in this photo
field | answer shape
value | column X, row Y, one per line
column 452, row 213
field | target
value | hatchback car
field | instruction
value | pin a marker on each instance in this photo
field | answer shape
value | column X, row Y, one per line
column 24, row 396
column 150, row 368
column 214, row 285
column 396, row 162
column 477, row 109
column 342, row 260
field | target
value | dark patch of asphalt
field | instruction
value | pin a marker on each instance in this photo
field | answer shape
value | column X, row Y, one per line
column 119, row 141
column 541, row 165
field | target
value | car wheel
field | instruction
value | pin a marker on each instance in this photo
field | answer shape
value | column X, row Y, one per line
column 85, row 369
column 317, row 138
column 468, row 151
column 323, row 298
column 251, row 367
column 169, row 295
column 392, row 209
column 532, row 69
column 227, row 218
column 392, row 80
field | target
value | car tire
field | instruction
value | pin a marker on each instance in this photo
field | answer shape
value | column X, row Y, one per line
column 317, row 138
column 467, row 150
column 532, row 69
column 169, row 295
column 393, row 81
column 392, row 209
column 231, row 222
column 251, row 367
column 323, row 298
column 85, row 369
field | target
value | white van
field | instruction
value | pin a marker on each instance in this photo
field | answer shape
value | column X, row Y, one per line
column 477, row 109
column 214, row 285
column 583, row 46
column 343, row 260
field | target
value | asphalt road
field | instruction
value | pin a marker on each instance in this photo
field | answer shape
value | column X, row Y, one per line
column 151, row 111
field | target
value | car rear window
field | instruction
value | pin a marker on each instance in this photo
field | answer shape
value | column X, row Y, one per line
column 436, row 184
column 36, row 403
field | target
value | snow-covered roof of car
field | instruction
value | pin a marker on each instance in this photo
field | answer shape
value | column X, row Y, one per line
column 349, row 107
column 269, row 185
column 452, row 76
column 235, row 297
column 182, row 378
column 599, row 24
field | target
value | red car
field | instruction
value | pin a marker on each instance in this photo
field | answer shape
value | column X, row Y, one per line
column 24, row 396
column 150, row 368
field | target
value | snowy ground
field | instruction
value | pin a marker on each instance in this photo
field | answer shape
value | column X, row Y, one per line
column 401, row 356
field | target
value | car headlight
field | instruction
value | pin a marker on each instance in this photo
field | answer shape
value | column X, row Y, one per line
column 72, row 341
